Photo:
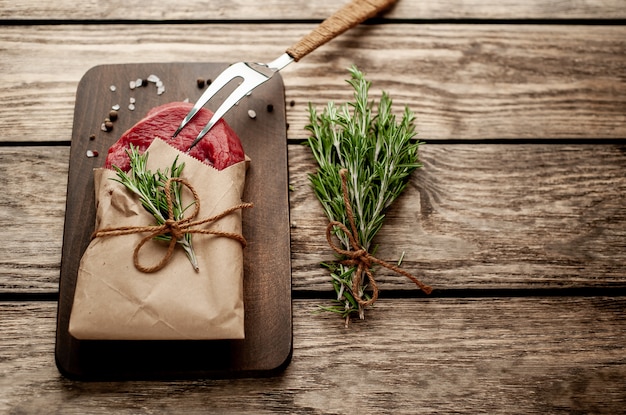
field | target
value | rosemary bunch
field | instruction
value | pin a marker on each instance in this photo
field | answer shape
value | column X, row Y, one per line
column 379, row 154
column 150, row 187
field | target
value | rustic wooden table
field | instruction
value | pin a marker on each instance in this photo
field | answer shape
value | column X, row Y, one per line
column 518, row 218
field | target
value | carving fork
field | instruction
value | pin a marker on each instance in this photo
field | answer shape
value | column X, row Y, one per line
column 254, row 74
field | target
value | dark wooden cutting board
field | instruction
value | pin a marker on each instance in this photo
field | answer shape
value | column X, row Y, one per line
column 267, row 266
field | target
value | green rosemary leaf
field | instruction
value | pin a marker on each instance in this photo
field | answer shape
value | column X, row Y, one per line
column 379, row 152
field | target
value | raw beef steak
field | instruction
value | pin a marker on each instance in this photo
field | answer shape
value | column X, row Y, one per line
column 220, row 148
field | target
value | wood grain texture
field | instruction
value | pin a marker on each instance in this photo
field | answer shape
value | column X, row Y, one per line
column 476, row 216
column 497, row 355
column 298, row 10
column 31, row 217
column 463, row 81
column 488, row 216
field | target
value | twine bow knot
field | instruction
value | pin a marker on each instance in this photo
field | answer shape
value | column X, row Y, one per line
column 176, row 228
column 359, row 256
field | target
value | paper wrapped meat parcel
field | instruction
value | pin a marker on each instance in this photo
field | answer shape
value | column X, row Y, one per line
column 114, row 300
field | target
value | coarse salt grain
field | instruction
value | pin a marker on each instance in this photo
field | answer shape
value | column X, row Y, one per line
column 139, row 82
column 92, row 153
column 252, row 114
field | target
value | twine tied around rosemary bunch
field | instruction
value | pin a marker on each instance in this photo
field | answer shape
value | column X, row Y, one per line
column 173, row 227
column 359, row 257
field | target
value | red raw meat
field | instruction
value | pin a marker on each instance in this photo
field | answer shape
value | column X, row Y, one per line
column 220, row 148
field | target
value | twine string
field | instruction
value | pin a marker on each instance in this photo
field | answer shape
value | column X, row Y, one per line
column 176, row 228
column 358, row 256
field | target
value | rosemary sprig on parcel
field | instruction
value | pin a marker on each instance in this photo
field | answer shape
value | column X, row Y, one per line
column 150, row 187
column 379, row 153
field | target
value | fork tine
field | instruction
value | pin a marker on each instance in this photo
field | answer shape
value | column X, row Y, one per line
column 251, row 79
column 220, row 82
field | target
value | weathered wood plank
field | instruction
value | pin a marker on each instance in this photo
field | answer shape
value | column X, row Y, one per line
column 463, row 81
column 31, row 217
column 488, row 216
column 501, row 355
column 285, row 9
column 476, row 216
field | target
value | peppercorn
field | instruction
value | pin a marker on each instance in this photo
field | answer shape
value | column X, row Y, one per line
column 112, row 115
column 200, row 82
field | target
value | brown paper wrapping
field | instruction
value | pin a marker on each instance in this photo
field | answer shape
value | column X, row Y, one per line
column 115, row 301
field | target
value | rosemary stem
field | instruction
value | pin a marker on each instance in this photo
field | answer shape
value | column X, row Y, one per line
column 185, row 243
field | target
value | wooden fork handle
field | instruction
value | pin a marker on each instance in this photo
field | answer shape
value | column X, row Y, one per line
column 345, row 18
